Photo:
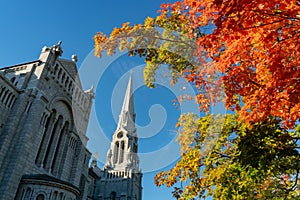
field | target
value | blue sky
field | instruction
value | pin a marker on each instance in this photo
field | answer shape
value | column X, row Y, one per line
column 27, row 26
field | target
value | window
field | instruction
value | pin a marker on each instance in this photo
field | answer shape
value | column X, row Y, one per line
column 120, row 135
column 42, row 144
column 54, row 196
column 40, row 197
column 122, row 152
column 116, row 152
column 28, row 194
column 51, row 144
column 113, row 195
column 58, row 147
column 13, row 80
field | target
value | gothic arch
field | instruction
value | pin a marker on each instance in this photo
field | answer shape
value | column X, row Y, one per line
column 56, row 133
column 113, row 195
column 40, row 197
column 63, row 107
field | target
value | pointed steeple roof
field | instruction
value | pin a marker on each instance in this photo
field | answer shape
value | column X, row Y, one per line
column 127, row 115
column 122, row 155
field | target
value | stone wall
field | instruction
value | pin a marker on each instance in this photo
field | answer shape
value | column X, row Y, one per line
column 43, row 120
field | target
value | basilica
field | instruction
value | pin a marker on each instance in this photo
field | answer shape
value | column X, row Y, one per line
column 44, row 114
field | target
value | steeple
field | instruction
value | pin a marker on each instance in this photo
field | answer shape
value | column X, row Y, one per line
column 122, row 177
column 127, row 115
column 122, row 155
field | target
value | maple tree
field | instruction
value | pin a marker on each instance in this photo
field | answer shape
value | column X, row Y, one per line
column 236, row 163
column 243, row 52
column 252, row 52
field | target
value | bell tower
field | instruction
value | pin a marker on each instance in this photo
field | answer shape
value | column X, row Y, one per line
column 121, row 177
column 122, row 155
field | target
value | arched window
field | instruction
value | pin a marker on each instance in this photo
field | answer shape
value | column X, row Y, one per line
column 11, row 101
column 116, row 152
column 51, row 140
column 70, row 86
column 59, row 146
column 59, row 74
column 55, row 68
column 40, row 197
column 61, row 196
column 13, row 80
column 28, row 193
column 122, row 152
column 54, row 196
column 8, row 98
column 49, row 120
column 2, row 90
column 63, row 78
column 113, row 195
column 67, row 82
column 4, row 95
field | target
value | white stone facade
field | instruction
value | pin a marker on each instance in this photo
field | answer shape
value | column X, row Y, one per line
column 121, row 178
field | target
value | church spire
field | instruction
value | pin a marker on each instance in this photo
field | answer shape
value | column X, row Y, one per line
column 127, row 115
column 122, row 155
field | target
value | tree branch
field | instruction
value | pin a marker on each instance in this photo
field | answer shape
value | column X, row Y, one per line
column 296, row 181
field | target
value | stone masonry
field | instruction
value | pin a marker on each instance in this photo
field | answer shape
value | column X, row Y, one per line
column 44, row 115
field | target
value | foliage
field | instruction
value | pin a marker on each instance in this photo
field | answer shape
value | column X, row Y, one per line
column 246, row 53
column 163, row 40
column 253, row 49
column 261, row 162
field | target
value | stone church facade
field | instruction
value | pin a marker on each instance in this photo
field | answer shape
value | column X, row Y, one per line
column 44, row 114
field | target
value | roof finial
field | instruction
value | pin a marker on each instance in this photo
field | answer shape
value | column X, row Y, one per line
column 94, row 161
column 74, row 58
column 57, row 48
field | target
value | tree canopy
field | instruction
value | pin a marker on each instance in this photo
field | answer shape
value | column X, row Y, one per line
column 233, row 161
column 250, row 48
column 246, row 54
